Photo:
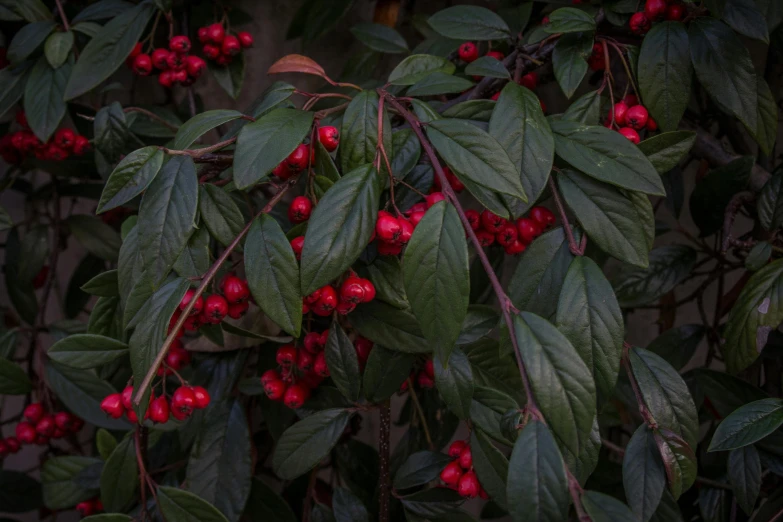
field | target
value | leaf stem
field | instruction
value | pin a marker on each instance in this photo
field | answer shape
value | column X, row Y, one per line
column 420, row 414
column 576, row 249
column 197, row 153
column 151, row 115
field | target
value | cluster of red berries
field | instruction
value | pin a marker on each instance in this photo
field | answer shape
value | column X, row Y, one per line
column 300, row 371
column 212, row 309
column 597, row 59
column 222, row 47
column 184, row 401
column 89, row 507
column 656, row 10
column 175, row 64
column 39, row 427
column 513, row 236
column 353, row 291
column 304, row 155
column 15, row 146
column 459, row 475
column 424, row 378
column 630, row 117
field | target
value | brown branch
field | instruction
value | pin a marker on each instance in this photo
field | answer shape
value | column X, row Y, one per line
column 151, row 115
column 208, row 276
column 198, row 153
column 643, row 411
column 141, row 445
column 577, row 250
column 730, row 215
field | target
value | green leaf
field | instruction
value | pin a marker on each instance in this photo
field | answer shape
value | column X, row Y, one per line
column 105, row 443
column 60, row 489
column 264, row 143
column 455, row 382
column 230, row 77
column 177, row 505
column 102, row 10
column 12, row 86
column 43, row 97
column 766, row 129
column 669, row 266
column 432, row 502
column 746, row 18
column 665, row 73
column 108, row 49
column 273, row 96
column 19, row 492
column 585, row 110
column 407, row 151
column 568, row 60
column 666, row 395
column 666, row 150
column 379, row 37
column 99, row 238
column 468, row 22
column 220, row 213
column 420, row 468
column 537, row 488
column 13, row 379
column 111, row 134
column 265, row 504
column 755, row 314
column 131, row 177
column 758, row 256
column 58, row 47
column 744, row 469
column 608, row 216
column 603, row 508
column 606, row 156
column 488, row 66
column 167, row 216
column 724, row 68
column 475, row 155
column 324, row 164
column 384, row 372
column 770, row 202
column 677, row 345
column 273, row 274
column 714, row 192
column 678, row 460
column 589, row 316
column 644, row 477
column 439, row 83
column 340, row 228
column 436, row 275
column 359, row 135
column 28, row 39
column 477, row 110
column 520, row 127
column 748, row 424
column 383, row 324
column 343, row 363
column 200, row 124
column 195, row 259
column 87, row 351
column 119, row 478
column 561, row 382
column 415, row 67
column 309, row 441
column 220, row 464
column 347, row 507
column 491, row 466
column 569, row 20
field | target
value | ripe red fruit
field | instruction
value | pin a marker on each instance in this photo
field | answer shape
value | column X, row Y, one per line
column 297, row 160
column 166, row 79
column 160, row 58
column 327, row 301
column 529, row 80
column 175, row 62
column 304, row 360
column 496, row 55
column 639, row 24
column 195, row 66
column 235, row 311
column 468, row 52
column 468, row 485
column 631, row 134
column 388, row 227
column 352, row 290
column 215, row 308
column 211, row 51
column 159, row 410
column 620, row 113
column 133, row 54
column 345, row 308
column 235, row 290
column 112, row 406
column 268, row 376
column 216, row 33
column 507, row 234
column 637, row 117
column 85, row 509
column 275, row 389
column 528, row 229
column 203, row 35
column 491, row 222
column 13, row 444
column 230, row 45
column 433, row 198
column 675, row 12
column 329, row 137
column 245, row 39
column 197, row 306
column 474, row 218
column 223, row 59
column 64, row 138
column 407, row 230
column 456, row 448
column 127, row 397
column 300, row 209
column 142, row 65
column 202, row 397
column 34, row 412
column 543, row 216
column 286, row 355
column 424, row 381
column 183, row 401
column 45, row 426
column 388, row 249
column 465, row 458
column 363, row 348
column 312, row 342
column 485, row 237
column 416, row 216
column 429, row 368
column 630, row 100
column 495, row 96
column 451, row 474
column 295, row 396
column 319, row 366
column 652, row 125
column 297, row 244
column 369, row 290
column 655, row 9
column 25, row 432
column 180, row 44
column 80, row 145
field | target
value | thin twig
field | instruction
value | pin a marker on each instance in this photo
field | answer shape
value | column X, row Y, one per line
column 197, row 153
column 151, row 115
column 420, row 414
column 575, row 249
column 384, row 450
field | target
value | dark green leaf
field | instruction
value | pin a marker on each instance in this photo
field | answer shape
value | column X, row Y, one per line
column 667, row 149
column 439, row 83
column 711, row 194
column 758, row 256
column 407, row 151
column 105, row 443
column 644, row 477
column 603, row 508
column 745, row 17
column 770, row 202
column 744, row 469
column 343, row 363
column 359, row 135
column 220, row 213
column 385, row 272
column 28, row 39
column 347, row 507
column 315, row 18
column 12, row 85
column 380, row 38
column 455, row 383
column 468, row 22
column 102, row 10
column 199, row 125
column 58, row 47
column 60, row 490
column 420, row 468
column 491, row 466
column 272, row 97
column 177, row 505
column 415, row 67
column 324, row 164
column 477, row 110
column 13, row 379
column 340, row 228
column 585, row 110
column 230, row 77
column 108, row 49
column 19, row 492
column 486, row 66
column 386, row 325
column 265, row 504
column 99, row 238
column 433, row 502
column 677, row 345
column 119, row 478
column 669, row 266
column 87, row 351
column 43, row 97
column 569, row 20
column 748, row 424
column 569, row 60
column 104, row 284
column 195, row 259
column 385, row 371
column 766, row 129
column 678, row 460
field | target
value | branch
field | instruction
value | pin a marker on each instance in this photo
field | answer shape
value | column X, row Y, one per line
column 208, row 276
column 384, row 448
column 198, row 153
column 151, row 115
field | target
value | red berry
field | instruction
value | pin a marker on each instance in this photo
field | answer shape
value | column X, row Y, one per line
column 235, row 290
column 25, row 432
column 529, row 80
column 223, row 59
column 528, row 229
column 620, row 113
column 211, row 51
column 304, row 360
column 216, row 33
column 543, row 216
column 197, row 306
column 203, row 35
column 474, row 218
column 135, row 51
column 363, row 348
column 468, row 52
column 195, row 66
column 433, row 198
column 451, row 474
column 202, row 397
column 13, row 444
column 639, row 23
column 655, row 9
column 183, row 401
column 675, row 12
column 312, row 342
column 456, row 448
column 327, row 301
column 160, row 58
column 407, row 230
column 314, row 297
column 300, row 209
column 297, row 244
column 630, row 100
column 297, row 160
column 230, row 45
column 424, row 381
column 85, row 509
column 345, row 307
column 466, row 458
column 468, row 485
column 142, row 65
column 329, row 137
column 166, row 79
column 369, row 290
column 507, row 234
column 112, row 406
column 275, row 389
column 319, row 366
column 215, row 308
column 496, row 55
column 64, row 138
column 159, row 410
column 352, row 290
column 282, row 171
column 652, row 125
column 179, row 44
column 637, row 117
column 416, row 216
column 34, row 412
column 495, row 96
column 127, row 397
column 485, row 238
column 295, row 396
column 80, row 145
column 245, row 39
column 235, row 311
column 286, row 355
column 268, row 376
column 631, row 134
column 429, row 368
column 175, row 62
column 491, row 222
column 388, row 227
column 46, row 426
